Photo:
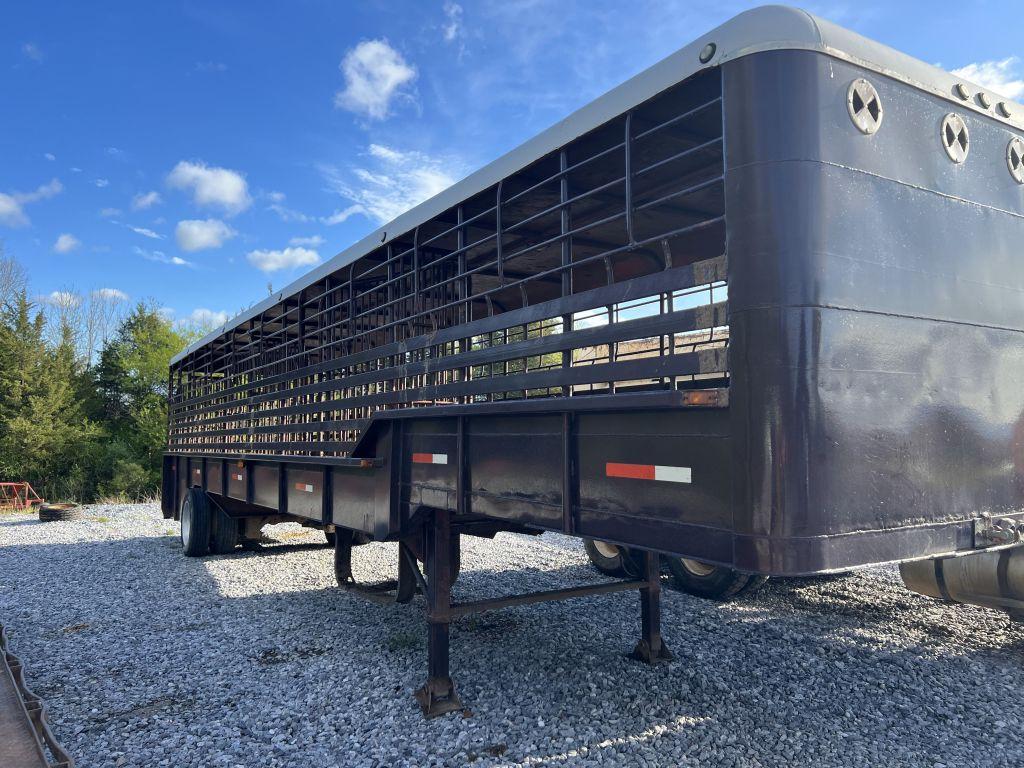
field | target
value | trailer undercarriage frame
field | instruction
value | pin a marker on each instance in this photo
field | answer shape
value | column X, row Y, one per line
column 438, row 695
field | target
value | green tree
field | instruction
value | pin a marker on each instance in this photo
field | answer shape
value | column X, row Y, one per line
column 131, row 400
column 46, row 436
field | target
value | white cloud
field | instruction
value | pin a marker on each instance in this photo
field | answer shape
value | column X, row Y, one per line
column 314, row 242
column 110, row 213
column 288, row 214
column 32, row 51
column 452, row 28
column 199, row 235
column 206, row 318
column 145, row 200
column 375, row 74
column 12, row 212
column 395, row 182
column 113, row 294
column 146, row 232
column 218, row 187
column 66, row 243
column 50, row 156
column 101, row 183
column 162, row 258
column 288, row 258
column 340, row 217
column 76, row 169
column 63, row 299
column 1004, row 77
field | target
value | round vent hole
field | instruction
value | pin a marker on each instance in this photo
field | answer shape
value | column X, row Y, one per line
column 864, row 106
column 1015, row 158
column 955, row 138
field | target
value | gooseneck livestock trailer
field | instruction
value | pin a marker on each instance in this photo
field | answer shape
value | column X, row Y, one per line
column 761, row 307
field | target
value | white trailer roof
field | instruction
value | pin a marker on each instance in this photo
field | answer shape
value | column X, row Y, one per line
column 770, row 27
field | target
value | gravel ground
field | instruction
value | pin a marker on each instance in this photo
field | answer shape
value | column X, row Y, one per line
column 147, row 658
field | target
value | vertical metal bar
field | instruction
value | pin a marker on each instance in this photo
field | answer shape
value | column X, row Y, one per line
column 464, row 306
column 566, row 253
column 438, row 695
column 416, row 272
column 351, row 307
column 389, row 316
column 327, row 497
column 629, row 178
column 569, row 473
column 651, row 648
column 462, row 479
column 497, row 236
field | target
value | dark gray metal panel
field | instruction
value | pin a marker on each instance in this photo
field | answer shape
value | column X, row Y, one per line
column 515, row 469
column 195, row 472
column 215, row 476
column 238, row 480
column 265, row 485
column 697, row 441
column 305, row 490
column 876, row 296
column 355, row 502
column 431, row 449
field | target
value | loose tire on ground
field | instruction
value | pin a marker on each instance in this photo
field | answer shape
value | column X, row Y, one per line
column 51, row 513
column 607, row 558
column 713, row 582
column 223, row 530
column 195, row 523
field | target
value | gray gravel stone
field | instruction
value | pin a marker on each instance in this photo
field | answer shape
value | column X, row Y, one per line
column 145, row 657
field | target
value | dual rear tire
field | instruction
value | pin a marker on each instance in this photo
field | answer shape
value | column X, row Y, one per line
column 205, row 527
column 694, row 577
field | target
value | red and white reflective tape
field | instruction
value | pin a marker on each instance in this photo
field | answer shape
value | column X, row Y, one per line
column 237, row 477
column 648, row 472
column 304, row 487
column 430, row 458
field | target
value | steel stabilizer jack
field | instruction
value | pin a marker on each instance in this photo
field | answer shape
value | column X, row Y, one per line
column 643, row 652
column 438, row 697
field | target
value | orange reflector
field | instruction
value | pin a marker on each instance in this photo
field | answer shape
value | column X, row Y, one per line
column 634, row 471
column 648, row 472
column 430, row 458
column 700, row 397
column 304, row 487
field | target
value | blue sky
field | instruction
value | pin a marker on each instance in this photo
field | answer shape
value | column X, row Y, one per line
column 193, row 152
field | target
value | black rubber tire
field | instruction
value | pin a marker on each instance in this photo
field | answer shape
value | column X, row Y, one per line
column 608, row 565
column 719, row 583
column 330, row 536
column 223, row 531
column 52, row 513
column 195, row 523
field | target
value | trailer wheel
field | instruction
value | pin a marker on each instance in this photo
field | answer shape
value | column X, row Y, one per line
column 607, row 558
column 714, row 582
column 223, row 531
column 195, row 522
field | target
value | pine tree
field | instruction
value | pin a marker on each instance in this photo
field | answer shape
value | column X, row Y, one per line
column 45, row 436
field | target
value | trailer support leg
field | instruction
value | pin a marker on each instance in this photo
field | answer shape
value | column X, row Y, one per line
column 438, row 696
column 651, row 648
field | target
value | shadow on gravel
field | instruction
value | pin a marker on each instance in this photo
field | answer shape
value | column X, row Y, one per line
column 158, row 647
